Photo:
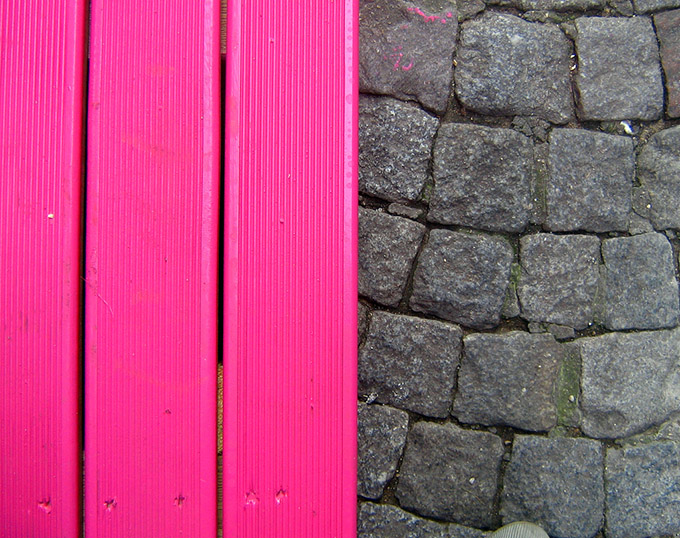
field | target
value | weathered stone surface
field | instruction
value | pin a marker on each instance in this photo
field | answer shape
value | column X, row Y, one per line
column 362, row 319
column 407, row 49
column 509, row 380
column 643, row 497
column 462, row 277
column 382, row 436
column 659, row 175
column 559, row 278
column 410, row 362
column 395, row 143
column 560, row 5
column 647, row 6
column 450, row 473
column 619, row 75
column 384, row 521
column 668, row 32
column 405, row 211
column 387, row 247
column 641, row 291
column 590, row 182
column 557, row 484
column 507, row 66
column 630, row 382
column 482, row 178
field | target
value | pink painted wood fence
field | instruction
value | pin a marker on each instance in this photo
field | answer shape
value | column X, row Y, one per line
column 145, row 183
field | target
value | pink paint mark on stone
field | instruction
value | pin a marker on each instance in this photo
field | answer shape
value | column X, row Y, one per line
column 407, row 67
column 426, row 17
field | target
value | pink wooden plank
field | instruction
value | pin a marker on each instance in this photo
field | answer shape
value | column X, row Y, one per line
column 151, row 269
column 290, row 269
column 41, row 102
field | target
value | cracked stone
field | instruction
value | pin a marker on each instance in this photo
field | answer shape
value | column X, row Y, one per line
column 590, row 182
column 395, row 143
column 385, row 521
column 668, row 31
column 407, row 49
column 659, row 176
column 387, row 247
column 381, row 440
column 509, row 380
column 450, row 473
column 619, row 75
column 507, row 66
column 641, row 291
column 556, row 483
column 410, row 363
column 643, row 498
column 559, row 279
column 482, row 178
column 463, row 277
column 362, row 319
column 630, row 382
column 405, row 211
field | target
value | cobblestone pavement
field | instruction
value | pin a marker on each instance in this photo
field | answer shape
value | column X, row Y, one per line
column 518, row 269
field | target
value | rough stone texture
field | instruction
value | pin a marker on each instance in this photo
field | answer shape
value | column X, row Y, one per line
column 362, row 319
column 405, row 211
column 395, row 143
column 384, row 521
column 482, row 178
column 507, row 66
column 557, row 484
column 509, row 380
column 560, row 5
column 590, row 182
column 559, row 278
column 647, row 6
column 407, row 49
column 387, row 247
column 641, row 291
column 462, row 277
column 643, row 497
column 630, row 382
column 619, row 75
column 668, row 32
column 410, row 362
column 450, row 473
column 382, row 436
column 659, row 176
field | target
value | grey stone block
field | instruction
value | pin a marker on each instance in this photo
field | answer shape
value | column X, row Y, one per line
column 559, row 279
column 381, row 440
column 668, row 32
column 410, row 363
column 509, row 380
column 630, row 382
column 450, row 474
column 362, row 318
column 659, row 176
column 643, row 496
column 557, row 484
column 407, row 49
column 462, row 277
column 385, row 521
column 387, row 247
column 560, row 5
column 405, row 211
column 647, row 6
column 507, row 66
column 482, row 178
column 619, row 74
column 641, row 291
column 590, row 182
column 395, row 144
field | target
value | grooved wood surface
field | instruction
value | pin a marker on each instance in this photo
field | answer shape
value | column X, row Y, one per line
column 290, row 269
column 41, row 104
column 151, row 269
